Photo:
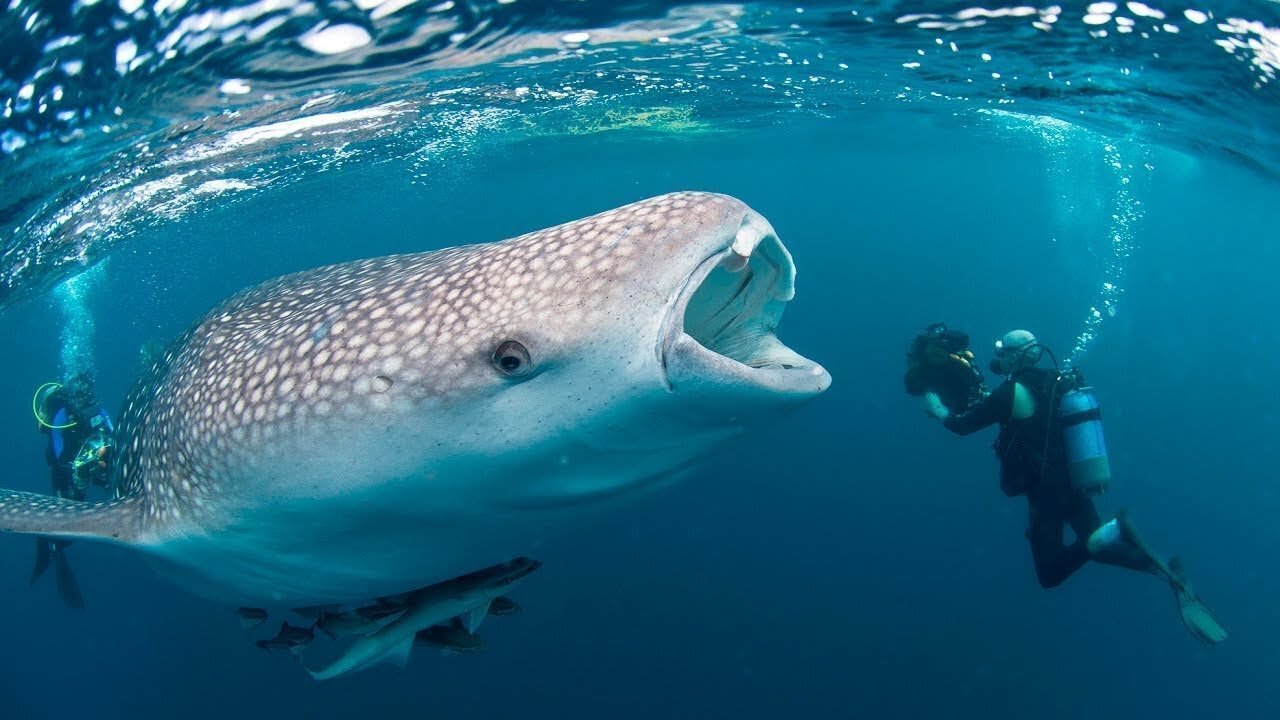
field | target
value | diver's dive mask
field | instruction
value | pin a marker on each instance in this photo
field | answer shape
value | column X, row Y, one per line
column 1016, row 350
column 998, row 364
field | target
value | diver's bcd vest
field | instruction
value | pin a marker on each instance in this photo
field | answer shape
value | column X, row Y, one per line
column 1032, row 448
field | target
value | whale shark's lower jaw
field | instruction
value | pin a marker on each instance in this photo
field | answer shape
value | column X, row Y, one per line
column 720, row 329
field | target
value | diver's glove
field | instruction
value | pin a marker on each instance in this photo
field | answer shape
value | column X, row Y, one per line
column 934, row 407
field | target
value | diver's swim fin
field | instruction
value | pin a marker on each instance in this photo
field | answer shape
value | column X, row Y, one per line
column 1197, row 616
column 1199, row 619
column 44, row 549
column 68, row 588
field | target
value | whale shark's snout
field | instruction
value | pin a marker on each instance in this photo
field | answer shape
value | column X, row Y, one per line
column 719, row 333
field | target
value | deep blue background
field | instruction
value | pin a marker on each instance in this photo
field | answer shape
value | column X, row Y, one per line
column 853, row 559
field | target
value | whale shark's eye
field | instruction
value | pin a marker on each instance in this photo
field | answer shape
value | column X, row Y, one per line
column 511, row 358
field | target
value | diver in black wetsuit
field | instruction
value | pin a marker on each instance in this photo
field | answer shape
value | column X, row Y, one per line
column 79, row 455
column 1033, row 462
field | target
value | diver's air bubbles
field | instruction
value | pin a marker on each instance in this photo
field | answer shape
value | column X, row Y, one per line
column 1095, row 213
column 1126, row 213
column 77, row 320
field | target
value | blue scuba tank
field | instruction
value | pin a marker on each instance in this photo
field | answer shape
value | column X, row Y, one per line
column 1081, row 422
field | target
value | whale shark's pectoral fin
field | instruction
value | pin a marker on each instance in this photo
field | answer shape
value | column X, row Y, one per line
column 471, row 621
column 117, row 521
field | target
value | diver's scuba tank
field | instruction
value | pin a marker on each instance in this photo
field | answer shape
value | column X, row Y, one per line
column 1081, row 422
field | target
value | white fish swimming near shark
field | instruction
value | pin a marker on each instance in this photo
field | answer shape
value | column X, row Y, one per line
column 467, row 597
column 364, row 429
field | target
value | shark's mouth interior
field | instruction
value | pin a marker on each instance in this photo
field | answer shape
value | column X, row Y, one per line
column 732, row 304
column 735, row 310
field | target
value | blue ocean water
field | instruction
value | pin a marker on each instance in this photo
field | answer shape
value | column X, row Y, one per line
column 852, row 559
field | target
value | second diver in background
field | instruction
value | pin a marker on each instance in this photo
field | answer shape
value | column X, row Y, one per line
column 79, row 453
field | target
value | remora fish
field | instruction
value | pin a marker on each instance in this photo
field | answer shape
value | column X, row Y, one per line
column 366, row 428
column 503, row 605
column 251, row 618
column 360, row 621
column 467, row 596
column 450, row 640
column 291, row 638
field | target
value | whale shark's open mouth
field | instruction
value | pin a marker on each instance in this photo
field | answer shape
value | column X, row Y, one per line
column 722, row 323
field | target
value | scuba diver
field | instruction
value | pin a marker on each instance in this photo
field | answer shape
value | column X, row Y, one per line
column 79, row 453
column 1051, row 450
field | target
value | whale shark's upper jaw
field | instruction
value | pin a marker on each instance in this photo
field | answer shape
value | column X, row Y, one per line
column 719, row 330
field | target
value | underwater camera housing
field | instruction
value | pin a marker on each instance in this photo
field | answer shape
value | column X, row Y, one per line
column 939, row 361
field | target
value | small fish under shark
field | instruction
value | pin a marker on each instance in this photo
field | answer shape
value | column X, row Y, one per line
column 443, row 616
column 466, row 598
column 450, row 640
column 362, row 429
column 291, row 638
column 368, row 619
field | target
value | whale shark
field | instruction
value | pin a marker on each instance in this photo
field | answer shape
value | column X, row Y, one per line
column 375, row 426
